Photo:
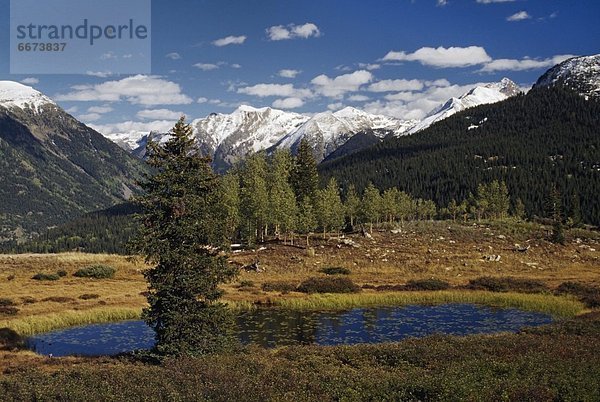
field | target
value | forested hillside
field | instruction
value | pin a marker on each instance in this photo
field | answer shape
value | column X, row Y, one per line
column 546, row 139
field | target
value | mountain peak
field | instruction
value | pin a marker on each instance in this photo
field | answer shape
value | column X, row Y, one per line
column 14, row 94
column 250, row 109
column 581, row 74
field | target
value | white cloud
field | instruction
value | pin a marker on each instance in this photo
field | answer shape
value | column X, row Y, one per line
column 281, row 90
column 288, row 103
column 99, row 74
column 335, row 106
column 72, row 110
column 173, row 56
column 396, row 85
column 206, row 66
column 369, row 66
column 291, row 31
column 520, row 16
column 230, row 40
column 202, row 100
column 236, row 65
column 159, row 114
column 138, row 89
column 523, row 64
column 133, row 127
column 100, row 109
column 443, row 57
column 30, row 81
column 288, row 73
column 89, row 117
column 442, row 3
column 358, row 98
column 338, row 86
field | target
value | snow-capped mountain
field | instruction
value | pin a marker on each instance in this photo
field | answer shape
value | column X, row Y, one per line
column 480, row 95
column 229, row 137
column 59, row 167
column 579, row 73
column 328, row 131
column 15, row 95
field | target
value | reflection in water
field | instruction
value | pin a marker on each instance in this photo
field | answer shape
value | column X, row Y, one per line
column 277, row 327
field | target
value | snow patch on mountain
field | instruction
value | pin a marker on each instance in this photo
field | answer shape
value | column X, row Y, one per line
column 14, row 94
column 480, row 95
column 579, row 73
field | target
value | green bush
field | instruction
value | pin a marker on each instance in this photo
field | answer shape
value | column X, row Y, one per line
column 427, row 284
column 96, row 272
column 278, row 286
column 61, row 273
column 507, row 284
column 335, row 271
column 328, row 285
column 45, row 277
column 10, row 340
column 246, row 284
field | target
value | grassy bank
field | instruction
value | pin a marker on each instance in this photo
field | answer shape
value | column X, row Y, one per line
column 31, row 325
column 557, row 306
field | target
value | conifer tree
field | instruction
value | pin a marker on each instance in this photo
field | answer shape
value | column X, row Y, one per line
column 180, row 236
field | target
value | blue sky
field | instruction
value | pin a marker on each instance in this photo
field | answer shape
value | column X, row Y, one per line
column 394, row 57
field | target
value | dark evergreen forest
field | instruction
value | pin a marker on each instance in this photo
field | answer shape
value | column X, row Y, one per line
column 547, row 139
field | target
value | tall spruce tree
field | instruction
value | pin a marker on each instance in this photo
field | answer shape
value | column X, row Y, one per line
column 181, row 234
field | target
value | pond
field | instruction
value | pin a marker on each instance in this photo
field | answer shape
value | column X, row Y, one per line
column 277, row 327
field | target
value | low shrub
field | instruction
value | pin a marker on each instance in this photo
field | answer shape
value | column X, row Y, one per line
column 587, row 294
column 507, row 284
column 89, row 296
column 28, row 300
column 61, row 273
column 45, row 277
column 96, row 272
column 58, row 299
column 8, row 310
column 5, row 301
column 328, row 285
column 335, row 271
column 427, row 284
column 10, row 340
column 278, row 286
column 246, row 284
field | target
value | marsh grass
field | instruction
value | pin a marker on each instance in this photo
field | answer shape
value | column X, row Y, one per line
column 32, row 325
column 558, row 306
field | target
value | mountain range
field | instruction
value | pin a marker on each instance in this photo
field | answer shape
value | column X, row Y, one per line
column 227, row 138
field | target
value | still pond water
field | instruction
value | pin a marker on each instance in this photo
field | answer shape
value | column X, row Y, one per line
column 277, row 327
